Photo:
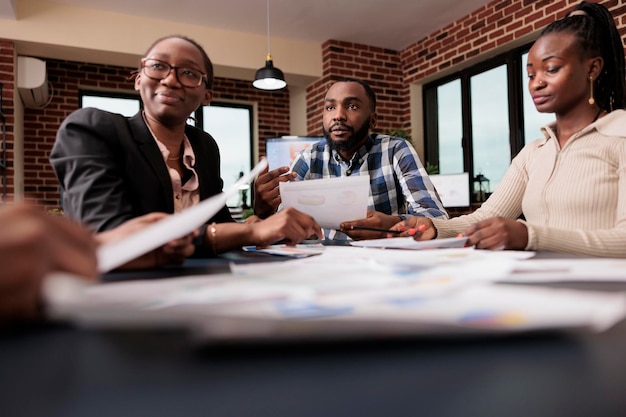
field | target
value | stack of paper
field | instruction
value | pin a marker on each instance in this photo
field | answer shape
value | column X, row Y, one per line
column 344, row 292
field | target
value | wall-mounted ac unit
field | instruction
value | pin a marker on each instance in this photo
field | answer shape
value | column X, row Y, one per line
column 32, row 82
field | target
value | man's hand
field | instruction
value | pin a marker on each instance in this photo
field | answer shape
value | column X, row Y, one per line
column 373, row 220
column 267, row 191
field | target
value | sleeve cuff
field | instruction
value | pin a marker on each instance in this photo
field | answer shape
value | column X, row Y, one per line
column 532, row 236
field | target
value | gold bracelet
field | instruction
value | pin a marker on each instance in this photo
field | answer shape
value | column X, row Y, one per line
column 213, row 231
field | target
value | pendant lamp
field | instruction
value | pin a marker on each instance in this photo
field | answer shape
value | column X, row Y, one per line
column 269, row 77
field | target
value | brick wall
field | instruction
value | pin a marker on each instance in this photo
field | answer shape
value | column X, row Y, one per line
column 7, row 79
column 489, row 27
column 381, row 68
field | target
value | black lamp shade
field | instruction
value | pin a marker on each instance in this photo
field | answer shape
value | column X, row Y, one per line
column 269, row 77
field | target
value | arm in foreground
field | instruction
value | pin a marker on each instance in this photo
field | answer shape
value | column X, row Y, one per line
column 32, row 245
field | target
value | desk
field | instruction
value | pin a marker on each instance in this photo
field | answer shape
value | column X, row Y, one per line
column 58, row 370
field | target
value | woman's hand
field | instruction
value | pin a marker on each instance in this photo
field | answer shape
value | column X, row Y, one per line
column 289, row 225
column 497, row 233
column 129, row 227
column 419, row 227
column 172, row 253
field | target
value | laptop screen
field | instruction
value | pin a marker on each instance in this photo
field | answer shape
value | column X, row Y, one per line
column 453, row 189
column 282, row 151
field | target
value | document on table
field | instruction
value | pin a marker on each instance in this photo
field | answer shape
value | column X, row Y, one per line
column 410, row 243
column 298, row 251
column 341, row 293
column 115, row 254
column 570, row 270
column 483, row 309
column 329, row 201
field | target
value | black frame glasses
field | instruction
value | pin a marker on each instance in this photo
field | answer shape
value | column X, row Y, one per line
column 159, row 70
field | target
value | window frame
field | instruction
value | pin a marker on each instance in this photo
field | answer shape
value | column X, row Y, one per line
column 198, row 114
column 236, row 105
column 515, row 76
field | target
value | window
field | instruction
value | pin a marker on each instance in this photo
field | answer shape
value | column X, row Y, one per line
column 489, row 104
column 478, row 119
column 127, row 105
column 230, row 124
column 231, row 127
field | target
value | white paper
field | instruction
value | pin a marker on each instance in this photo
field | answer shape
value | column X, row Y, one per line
column 485, row 309
column 117, row 253
column 330, row 201
column 569, row 270
column 349, row 292
column 410, row 243
column 230, row 307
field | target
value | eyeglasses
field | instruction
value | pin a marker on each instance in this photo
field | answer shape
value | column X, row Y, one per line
column 158, row 70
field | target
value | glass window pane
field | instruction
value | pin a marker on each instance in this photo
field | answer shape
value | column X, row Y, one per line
column 490, row 125
column 124, row 106
column 450, row 127
column 230, row 127
column 533, row 120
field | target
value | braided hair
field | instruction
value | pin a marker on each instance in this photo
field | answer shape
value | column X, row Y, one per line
column 593, row 25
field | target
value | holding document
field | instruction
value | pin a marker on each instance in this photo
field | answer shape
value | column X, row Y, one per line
column 113, row 169
column 399, row 186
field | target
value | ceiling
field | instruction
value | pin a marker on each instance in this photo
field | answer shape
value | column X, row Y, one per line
column 393, row 24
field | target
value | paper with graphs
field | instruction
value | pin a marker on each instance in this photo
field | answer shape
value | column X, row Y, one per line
column 330, row 201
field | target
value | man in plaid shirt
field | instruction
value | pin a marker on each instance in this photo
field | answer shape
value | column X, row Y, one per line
column 399, row 184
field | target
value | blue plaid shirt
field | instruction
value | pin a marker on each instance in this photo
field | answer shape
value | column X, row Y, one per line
column 399, row 184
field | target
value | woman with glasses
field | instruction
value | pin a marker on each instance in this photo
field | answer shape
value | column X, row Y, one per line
column 113, row 169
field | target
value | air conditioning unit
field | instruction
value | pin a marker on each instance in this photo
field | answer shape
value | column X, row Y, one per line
column 32, row 82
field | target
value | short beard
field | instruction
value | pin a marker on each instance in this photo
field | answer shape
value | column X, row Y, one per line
column 352, row 141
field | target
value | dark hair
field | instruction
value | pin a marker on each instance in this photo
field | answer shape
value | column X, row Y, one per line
column 208, row 65
column 598, row 36
column 368, row 89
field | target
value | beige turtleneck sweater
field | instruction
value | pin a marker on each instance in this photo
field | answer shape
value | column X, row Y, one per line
column 573, row 199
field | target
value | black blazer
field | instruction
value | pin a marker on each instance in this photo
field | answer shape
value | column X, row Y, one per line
column 111, row 169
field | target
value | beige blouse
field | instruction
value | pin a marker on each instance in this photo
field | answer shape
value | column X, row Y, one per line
column 573, row 199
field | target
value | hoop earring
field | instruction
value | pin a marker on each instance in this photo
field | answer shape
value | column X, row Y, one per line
column 592, row 100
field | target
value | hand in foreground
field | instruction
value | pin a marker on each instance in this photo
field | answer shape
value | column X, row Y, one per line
column 419, row 227
column 33, row 244
column 497, row 233
column 267, row 191
column 289, row 225
column 373, row 220
column 172, row 253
